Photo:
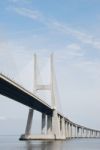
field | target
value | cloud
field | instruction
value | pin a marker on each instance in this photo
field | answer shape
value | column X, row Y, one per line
column 32, row 14
column 74, row 50
column 70, row 53
column 18, row 1
column 14, row 1
column 81, row 36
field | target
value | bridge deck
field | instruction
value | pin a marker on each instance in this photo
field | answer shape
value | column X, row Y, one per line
column 14, row 91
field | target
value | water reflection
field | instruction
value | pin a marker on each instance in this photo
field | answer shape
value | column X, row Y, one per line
column 80, row 144
column 44, row 145
column 12, row 143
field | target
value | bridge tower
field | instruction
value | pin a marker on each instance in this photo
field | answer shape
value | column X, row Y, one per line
column 52, row 123
column 53, row 126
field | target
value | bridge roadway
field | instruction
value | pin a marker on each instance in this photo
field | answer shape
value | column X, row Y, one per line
column 16, row 92
column 13, row 90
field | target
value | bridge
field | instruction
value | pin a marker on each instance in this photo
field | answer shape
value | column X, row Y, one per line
column 54, row 125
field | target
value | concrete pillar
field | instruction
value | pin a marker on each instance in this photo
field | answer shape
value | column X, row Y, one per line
column 60, row 121
column 67, row 129
column 29, row 122
column 99, row 134
column 49, row 124
column 43, row 127
column 59, row 124
column 55, row 125
column 91, row 133
column 87, row 133
column 78, row 132
column 75, row 132
column 81, row 132
column 94, row 134
column 63, row 127
column 70, row 130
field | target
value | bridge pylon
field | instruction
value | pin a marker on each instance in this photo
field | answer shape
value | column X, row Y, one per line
column 51, row 123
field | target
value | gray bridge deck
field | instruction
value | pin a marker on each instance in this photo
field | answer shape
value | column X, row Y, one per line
column 14, row 91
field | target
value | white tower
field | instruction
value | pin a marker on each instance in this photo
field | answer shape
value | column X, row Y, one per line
column 53, row 123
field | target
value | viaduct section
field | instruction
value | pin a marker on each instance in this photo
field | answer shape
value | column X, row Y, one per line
column 54, row 125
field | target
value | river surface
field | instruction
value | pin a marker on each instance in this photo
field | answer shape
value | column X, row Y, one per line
column 12, row 143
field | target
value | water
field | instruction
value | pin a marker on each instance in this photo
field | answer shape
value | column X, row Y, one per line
column 12, row 143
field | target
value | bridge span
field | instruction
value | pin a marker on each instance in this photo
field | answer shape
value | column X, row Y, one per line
column 54, row 125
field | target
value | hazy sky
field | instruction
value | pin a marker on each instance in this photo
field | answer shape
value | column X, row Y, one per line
column 68, row 28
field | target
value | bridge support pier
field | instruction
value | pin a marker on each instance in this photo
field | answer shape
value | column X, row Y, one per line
column 49, row 125
column 43, row 122
column 81, row 132
column 70, row 134
column 56, row 125
column 29, row 122
column 28, row 126
column 63, row 128
column 75, row 131
column 67, row 130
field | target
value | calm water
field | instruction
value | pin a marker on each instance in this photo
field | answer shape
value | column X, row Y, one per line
column 12, row 143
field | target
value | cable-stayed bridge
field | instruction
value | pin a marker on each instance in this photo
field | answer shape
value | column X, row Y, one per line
column 54, row 125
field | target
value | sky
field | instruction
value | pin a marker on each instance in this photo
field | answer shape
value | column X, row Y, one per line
column 71, row 31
